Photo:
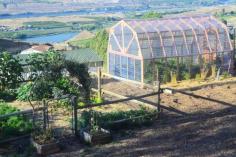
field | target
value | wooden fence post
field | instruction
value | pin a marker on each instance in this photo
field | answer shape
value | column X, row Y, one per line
column 44, row 115
column 75, row 116
column 159, row 93
column 99, row 83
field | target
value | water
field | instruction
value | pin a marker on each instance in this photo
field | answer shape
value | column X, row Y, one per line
column 57, row 38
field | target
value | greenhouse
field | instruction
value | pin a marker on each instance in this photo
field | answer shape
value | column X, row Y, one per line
column 139, row 50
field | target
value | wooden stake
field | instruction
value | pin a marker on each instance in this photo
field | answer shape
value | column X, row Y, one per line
column 159, row 94
column 75, row 115
column 99, row 83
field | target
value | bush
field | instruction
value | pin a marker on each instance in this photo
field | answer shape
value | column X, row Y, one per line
column 15, row 125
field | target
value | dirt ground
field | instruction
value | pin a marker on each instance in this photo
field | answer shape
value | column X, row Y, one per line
column 189, row 126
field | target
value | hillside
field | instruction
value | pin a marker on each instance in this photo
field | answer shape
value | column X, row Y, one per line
column 24, row 6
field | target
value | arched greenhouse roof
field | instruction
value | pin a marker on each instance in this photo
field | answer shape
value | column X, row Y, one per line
column 170, row 37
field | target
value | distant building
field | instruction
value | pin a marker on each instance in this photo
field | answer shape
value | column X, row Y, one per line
column 13, row 46
column 37, row 49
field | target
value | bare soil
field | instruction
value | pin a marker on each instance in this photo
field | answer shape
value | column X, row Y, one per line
column 204, row 125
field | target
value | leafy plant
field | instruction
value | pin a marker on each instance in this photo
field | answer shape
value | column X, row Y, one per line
column 14, row 125
column 225, row 75
column 186, row 76
column 106, row 119
column 23, row 91
column 44, row 137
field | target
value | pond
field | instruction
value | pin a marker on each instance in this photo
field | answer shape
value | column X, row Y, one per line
column 53, row 38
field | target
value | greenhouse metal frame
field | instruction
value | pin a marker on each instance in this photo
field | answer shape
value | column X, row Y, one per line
column 135, row 46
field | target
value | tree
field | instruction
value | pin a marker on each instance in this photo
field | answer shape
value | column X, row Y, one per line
column 10, row 71
column 46, row 69
column 46, row 65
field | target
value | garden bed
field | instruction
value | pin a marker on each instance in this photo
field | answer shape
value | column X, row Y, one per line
column 113, row 119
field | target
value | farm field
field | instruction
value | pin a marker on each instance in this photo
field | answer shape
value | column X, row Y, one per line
column 22, row 28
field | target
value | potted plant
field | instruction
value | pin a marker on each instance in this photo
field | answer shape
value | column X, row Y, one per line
column 45, row 143
column 93, row 134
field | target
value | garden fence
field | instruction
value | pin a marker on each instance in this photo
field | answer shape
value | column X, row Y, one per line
column 32, row 118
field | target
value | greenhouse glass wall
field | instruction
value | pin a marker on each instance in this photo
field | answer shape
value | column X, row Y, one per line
column 139, row 49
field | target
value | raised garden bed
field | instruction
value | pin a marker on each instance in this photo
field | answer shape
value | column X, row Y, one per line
column 100, row 136
column 117, row 120
column 45, row 143
column 46, row 149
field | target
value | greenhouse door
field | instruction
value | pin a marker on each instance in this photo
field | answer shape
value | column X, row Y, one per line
column 125, row 67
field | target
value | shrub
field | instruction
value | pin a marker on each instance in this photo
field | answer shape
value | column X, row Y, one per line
column 15, row 125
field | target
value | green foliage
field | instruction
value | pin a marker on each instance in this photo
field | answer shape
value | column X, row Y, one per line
column 80, row 71
column 45, row 24
column 42, row 88
column 93, row 118
column 10, row 71
column 15, row 125
column 49, row 82
column 50, row 65
column 225, row 75
column 98, row 43
column 186, row 76
column 96, row 100
column 151, row 15
column 23, row 92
